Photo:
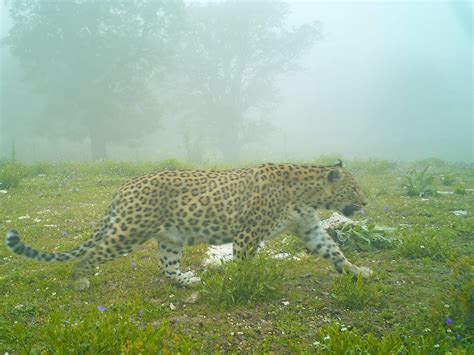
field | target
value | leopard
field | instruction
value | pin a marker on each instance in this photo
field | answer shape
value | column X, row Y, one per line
column 187, row 207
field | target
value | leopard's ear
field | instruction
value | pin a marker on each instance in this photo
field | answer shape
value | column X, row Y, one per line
column 334, row 175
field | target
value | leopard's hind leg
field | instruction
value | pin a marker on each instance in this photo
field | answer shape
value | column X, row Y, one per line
column 112, row 246
column 170, row 256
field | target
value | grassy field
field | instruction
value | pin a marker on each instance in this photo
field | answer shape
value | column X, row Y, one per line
column 420, row 301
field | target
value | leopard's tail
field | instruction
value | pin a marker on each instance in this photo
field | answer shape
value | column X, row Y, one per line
column 13, row 243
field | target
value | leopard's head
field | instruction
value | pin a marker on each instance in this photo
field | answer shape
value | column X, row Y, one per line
column 344, row 194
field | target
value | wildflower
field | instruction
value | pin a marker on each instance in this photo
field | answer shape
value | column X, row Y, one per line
column 458, row 337
column 449, row 321
column 101, row 309
column 427, row 330
column 362, row 212
column 141, row 312
column 422, row 246
column 65, row 234
column 134, row 265
column 343, row 329
column 385, row 209
column 327, row 337
column 436, row 345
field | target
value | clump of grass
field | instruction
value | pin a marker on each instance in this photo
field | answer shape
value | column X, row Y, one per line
column 11, row 175
column 420, row 246
column 242, row 283
column 102, row 332
column 418, row 183
column 355, row 294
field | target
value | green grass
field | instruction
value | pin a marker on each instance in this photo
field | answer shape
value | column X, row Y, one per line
column 356, row 293
column 282, row 306
column 243, row 283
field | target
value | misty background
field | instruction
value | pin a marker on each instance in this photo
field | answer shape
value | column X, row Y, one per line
column 232, row 80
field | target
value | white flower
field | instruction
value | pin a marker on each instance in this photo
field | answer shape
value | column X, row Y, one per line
column 436, row 345
column 422, row 246
column 327, row 337
column 427, row 330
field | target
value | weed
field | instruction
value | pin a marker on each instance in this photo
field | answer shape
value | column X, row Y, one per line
column 243, row 282
column 418, row 183
column 364, row 236
column 355, row 294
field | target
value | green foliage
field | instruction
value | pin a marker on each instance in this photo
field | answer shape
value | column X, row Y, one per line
column 418, row 183
column 462, row 293
column 421, row 246
column 97, row 333
column 11, row 175
column 242, row 283
column 460, row 190
column 339, row 339
column 355, row 293
column 364, row 236
column 447, row 180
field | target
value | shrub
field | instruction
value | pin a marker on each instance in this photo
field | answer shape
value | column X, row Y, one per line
column 241, row 283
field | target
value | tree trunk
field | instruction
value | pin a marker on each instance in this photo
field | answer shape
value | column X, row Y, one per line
column 98, row 141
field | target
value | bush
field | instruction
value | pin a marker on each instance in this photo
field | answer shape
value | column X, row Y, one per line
column 242, row 283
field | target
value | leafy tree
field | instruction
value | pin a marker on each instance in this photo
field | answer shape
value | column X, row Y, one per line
column 95, row 64
column 232, row 57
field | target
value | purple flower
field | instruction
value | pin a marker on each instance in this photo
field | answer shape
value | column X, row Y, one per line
column 101, row 309
column 141, row 312
column 134, row 265
column 362, row 212
column 65, row 234
column 385, row 209
column 449, row 321
column 458, row 337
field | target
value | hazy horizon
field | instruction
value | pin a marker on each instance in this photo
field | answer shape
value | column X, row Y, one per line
column 388, row 80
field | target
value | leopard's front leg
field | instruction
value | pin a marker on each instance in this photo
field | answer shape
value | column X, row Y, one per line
column 318, row 241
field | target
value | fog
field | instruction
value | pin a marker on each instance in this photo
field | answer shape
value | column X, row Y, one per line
column 236, row 81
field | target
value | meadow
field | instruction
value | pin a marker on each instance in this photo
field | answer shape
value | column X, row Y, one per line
column 420, row 301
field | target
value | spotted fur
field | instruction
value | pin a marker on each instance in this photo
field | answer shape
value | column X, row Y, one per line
column 244, row 206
